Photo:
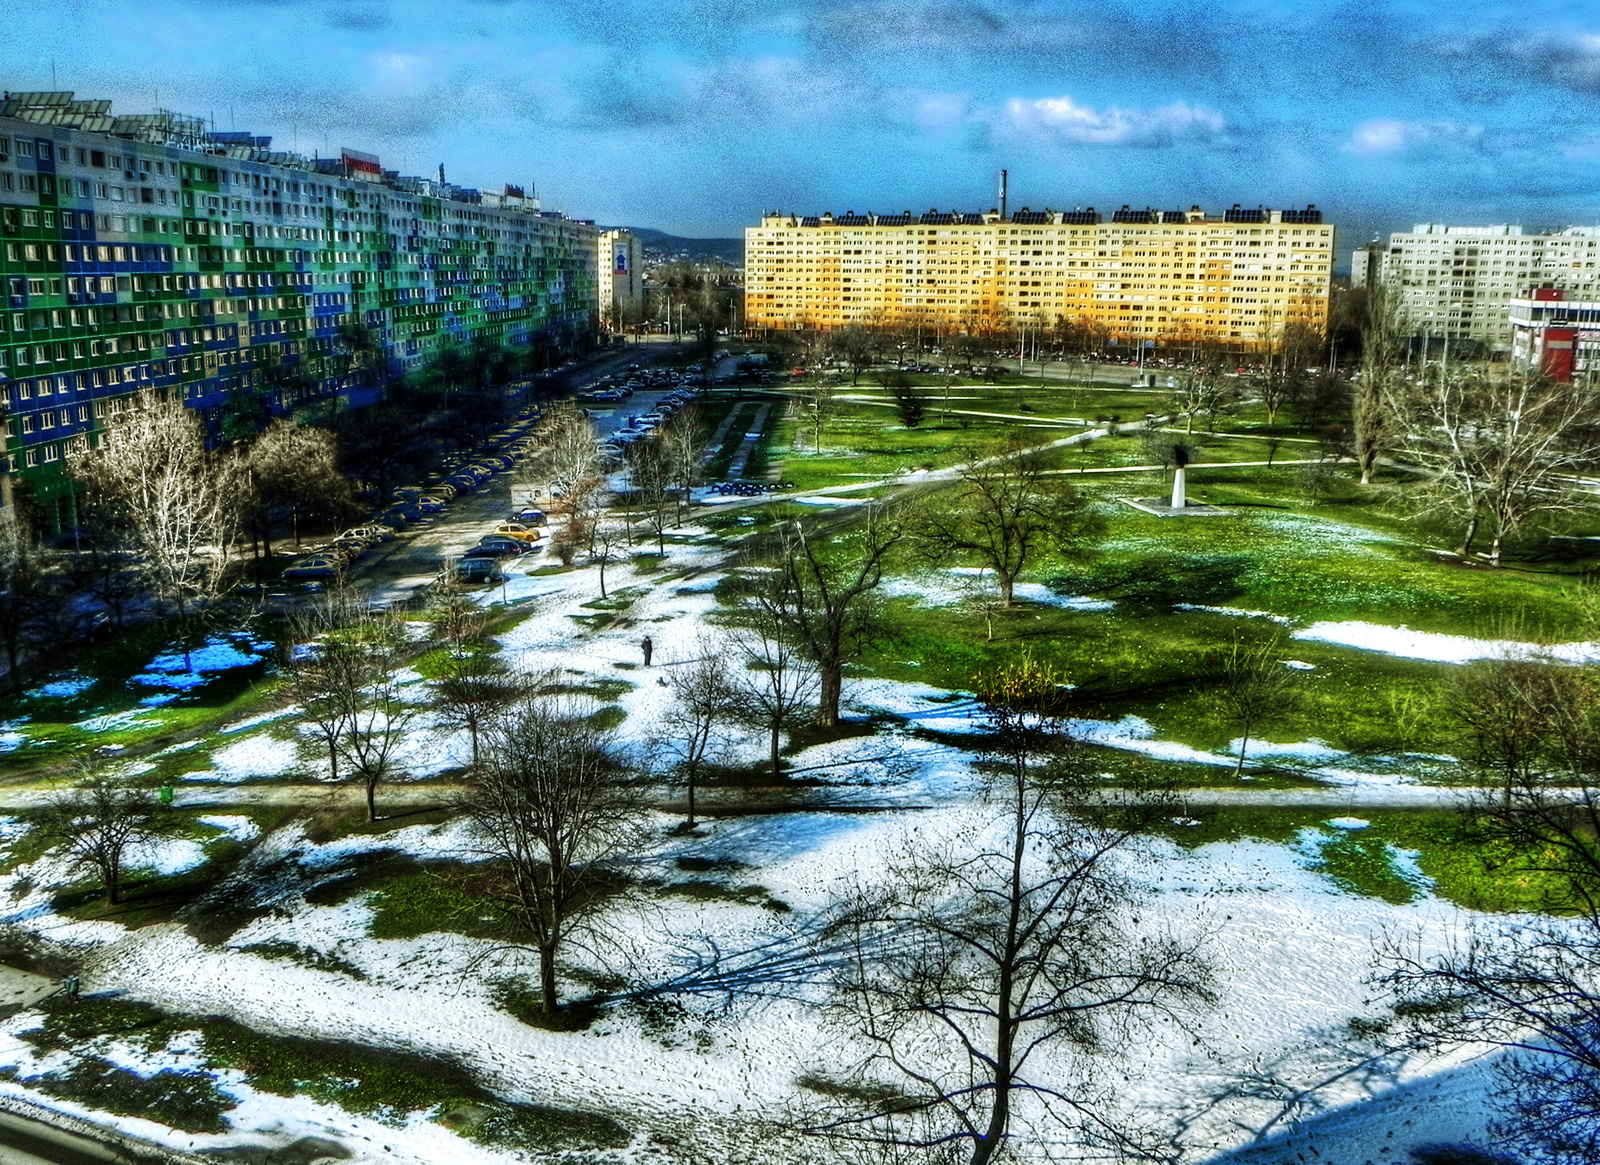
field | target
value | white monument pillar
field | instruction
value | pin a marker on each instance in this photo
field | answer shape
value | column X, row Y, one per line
column 1178, row 501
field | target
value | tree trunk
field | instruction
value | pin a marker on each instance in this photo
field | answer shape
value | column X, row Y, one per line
column 831, row 684
column 113, row 877
column 1244, row 743
column 1007, row 582
column 372, row 802
column 547, row 979
column 333, row 761
column 602, row 579
column 1468, row 536
column 775, row 751
column 691, row 795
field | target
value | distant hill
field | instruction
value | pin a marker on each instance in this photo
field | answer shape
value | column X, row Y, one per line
column 660, row 247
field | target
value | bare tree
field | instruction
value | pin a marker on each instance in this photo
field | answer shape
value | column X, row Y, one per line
column 1526, row 983
column 650, row 470
column 565, row 453
column 378, row 714
column 687, row 443
column 982, row 595
column 458, row 618
column 988, row 949
column 97, row 821
column 342, row 664
column 777, row 689
column 607, row 538
column 294, row 476
column 858, row 348
column 471, row 689
column 1383, row 340
column 818, row 403
column 181, row 503
column 1012, row 504
column 1504, row 449
column 823, row 599
column 1255, row 687
column 551, row 807
column 704, row 702
column 1197, row 392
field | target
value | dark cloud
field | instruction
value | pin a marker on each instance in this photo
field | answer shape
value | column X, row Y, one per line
column 360, row 17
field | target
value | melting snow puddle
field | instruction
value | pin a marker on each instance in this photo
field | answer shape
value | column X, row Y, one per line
column 177, row 671
column 65, row 687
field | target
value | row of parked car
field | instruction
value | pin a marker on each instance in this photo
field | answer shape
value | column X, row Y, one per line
column 510, row 539
column 457, row 474
column 641, row 425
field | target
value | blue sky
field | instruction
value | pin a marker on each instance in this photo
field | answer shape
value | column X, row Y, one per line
column 694, row 116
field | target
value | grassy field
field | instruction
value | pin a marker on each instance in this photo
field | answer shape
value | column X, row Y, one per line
column 387, row 1085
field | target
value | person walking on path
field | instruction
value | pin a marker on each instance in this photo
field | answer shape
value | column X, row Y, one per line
column 648, row 648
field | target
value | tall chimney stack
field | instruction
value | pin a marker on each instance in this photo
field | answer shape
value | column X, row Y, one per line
column 1002, row 196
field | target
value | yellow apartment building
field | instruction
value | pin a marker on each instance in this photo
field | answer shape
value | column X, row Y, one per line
column 1239, row 277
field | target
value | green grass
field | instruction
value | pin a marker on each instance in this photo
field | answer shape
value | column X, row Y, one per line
column 53, row 724
column 442, row 897
column 1451, row 853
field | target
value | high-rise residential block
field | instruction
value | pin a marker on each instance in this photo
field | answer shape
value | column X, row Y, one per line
column 1239, row 278
column 1459, row 282
column 621, row 279
column 151, row 251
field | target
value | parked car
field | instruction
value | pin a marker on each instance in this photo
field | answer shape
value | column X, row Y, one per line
column 500, row 546
column 374, row 530
column 529, row 516
column 430, row 505
column 473, row 570
column 516, row 530
column 315, row 566
column 464, row 483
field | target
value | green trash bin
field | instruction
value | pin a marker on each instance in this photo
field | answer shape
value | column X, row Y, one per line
column 165, row 794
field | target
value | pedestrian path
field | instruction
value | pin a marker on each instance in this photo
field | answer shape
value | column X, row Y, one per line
column 752, row 434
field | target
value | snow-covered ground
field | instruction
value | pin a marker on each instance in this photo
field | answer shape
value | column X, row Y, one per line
column 1269, row 1068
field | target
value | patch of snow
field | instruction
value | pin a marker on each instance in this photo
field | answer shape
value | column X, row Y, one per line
column 132, row 718
column 238, row 828
column 252, row 758
column 255, row 721
column 1351, row 823
column 1435, row 647
column 166, row 856
column 1237, row 612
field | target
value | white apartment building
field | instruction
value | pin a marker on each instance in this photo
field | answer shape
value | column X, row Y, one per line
column 1459, row 281
column 621, row 279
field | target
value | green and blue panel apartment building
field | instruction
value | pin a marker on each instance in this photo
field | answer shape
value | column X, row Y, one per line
column 150, row 251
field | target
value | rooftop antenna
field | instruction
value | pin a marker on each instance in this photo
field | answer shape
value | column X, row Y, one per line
column 1002, row 196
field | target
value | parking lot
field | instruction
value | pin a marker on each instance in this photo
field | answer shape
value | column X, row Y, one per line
column 401, row 568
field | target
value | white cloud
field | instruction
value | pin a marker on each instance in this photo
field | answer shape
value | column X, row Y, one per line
column 1064, row 119
column 1386, row 135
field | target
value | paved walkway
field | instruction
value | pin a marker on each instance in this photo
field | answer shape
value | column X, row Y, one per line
column 400, row 800
column 752, row 434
